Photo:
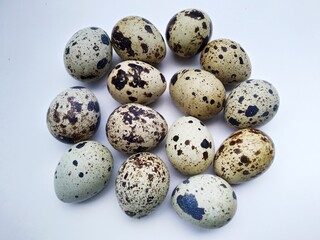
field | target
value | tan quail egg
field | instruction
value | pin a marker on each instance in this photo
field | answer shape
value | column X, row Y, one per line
column 83, row 171
column 142, row 184
column 136, row 81
column 135, row 128
column 136, row 38
column 227, row 60
column 73, row 115
column 189, row 146
column 188, row 32
column 88, row 54
column 244, row 155
column 252, row 103
column 205, row 200
column 197, row 93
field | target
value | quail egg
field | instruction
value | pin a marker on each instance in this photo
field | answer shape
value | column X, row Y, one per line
column 73, row 115
column 88, row 54
column 244, row 155
column 227, row 60
column 142, row 184
column 83, row 171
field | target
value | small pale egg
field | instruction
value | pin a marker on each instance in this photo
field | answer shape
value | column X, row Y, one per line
column 189, row 146
column 252, row 103
column 244, row 155
column 74, row 115
column 136, row 38
column 142, row 184
column 83, row 172
column 227, row 60
column 205, row 200
column 197, row 93
column 88, row 54
column 136, row 81
column 188, row 32
column 135, row 128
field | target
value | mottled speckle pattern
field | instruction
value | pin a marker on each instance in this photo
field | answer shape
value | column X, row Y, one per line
column 135, row 128
column 83, row 171
column 252, row 103
column 188, row 32
column 189, row 146
column 205, row 200
column 227, row 60
column 244, row 155
column 73, row 115
column 142, row 184
column 197, row 93
column 135, row 38
column 88, row 54
column 136, row 81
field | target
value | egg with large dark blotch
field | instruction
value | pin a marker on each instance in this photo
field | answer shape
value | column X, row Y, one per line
column 205, row 200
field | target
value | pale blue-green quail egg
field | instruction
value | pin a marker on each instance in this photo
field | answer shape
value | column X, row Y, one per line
column 188, row 32
column 73, row 115
column 136, row 38
column 88, row 54
column 246, row 154
column 205, row 200
column 135, row 128
column 252, row 103
column 83, row 171
column 197, row 93
column 189, row 146
column 136, row 81
column 227, row 60
column 142, row 184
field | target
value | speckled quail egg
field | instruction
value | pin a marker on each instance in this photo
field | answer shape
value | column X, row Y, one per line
column 252, row 103
column 142, row 184
column 135, row 128
column 189, row 146
column 227, row 60
column 244, row 155
column 205, row 200
column 188, row 32
column 136, row 38
column 197, row 93
column 83, row 172
column 136, row 81
column 88, row 54
column 73, row 115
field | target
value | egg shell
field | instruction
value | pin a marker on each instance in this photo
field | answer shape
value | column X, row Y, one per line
column 205, row 200
column 136, row 38
column 252, row 103
column 189, row 146
column 188, row 32
column 197, row 93
column 244, row 155
column 73, row 115
column 227, row 60
column 135, row 128
column 136, row 81
column 142, row 184
column 88, row 54
column 83, row 171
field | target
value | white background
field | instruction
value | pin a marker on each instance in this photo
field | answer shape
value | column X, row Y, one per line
column 282, row 39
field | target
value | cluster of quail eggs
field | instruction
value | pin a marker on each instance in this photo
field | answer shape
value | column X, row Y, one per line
column 142, row 182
